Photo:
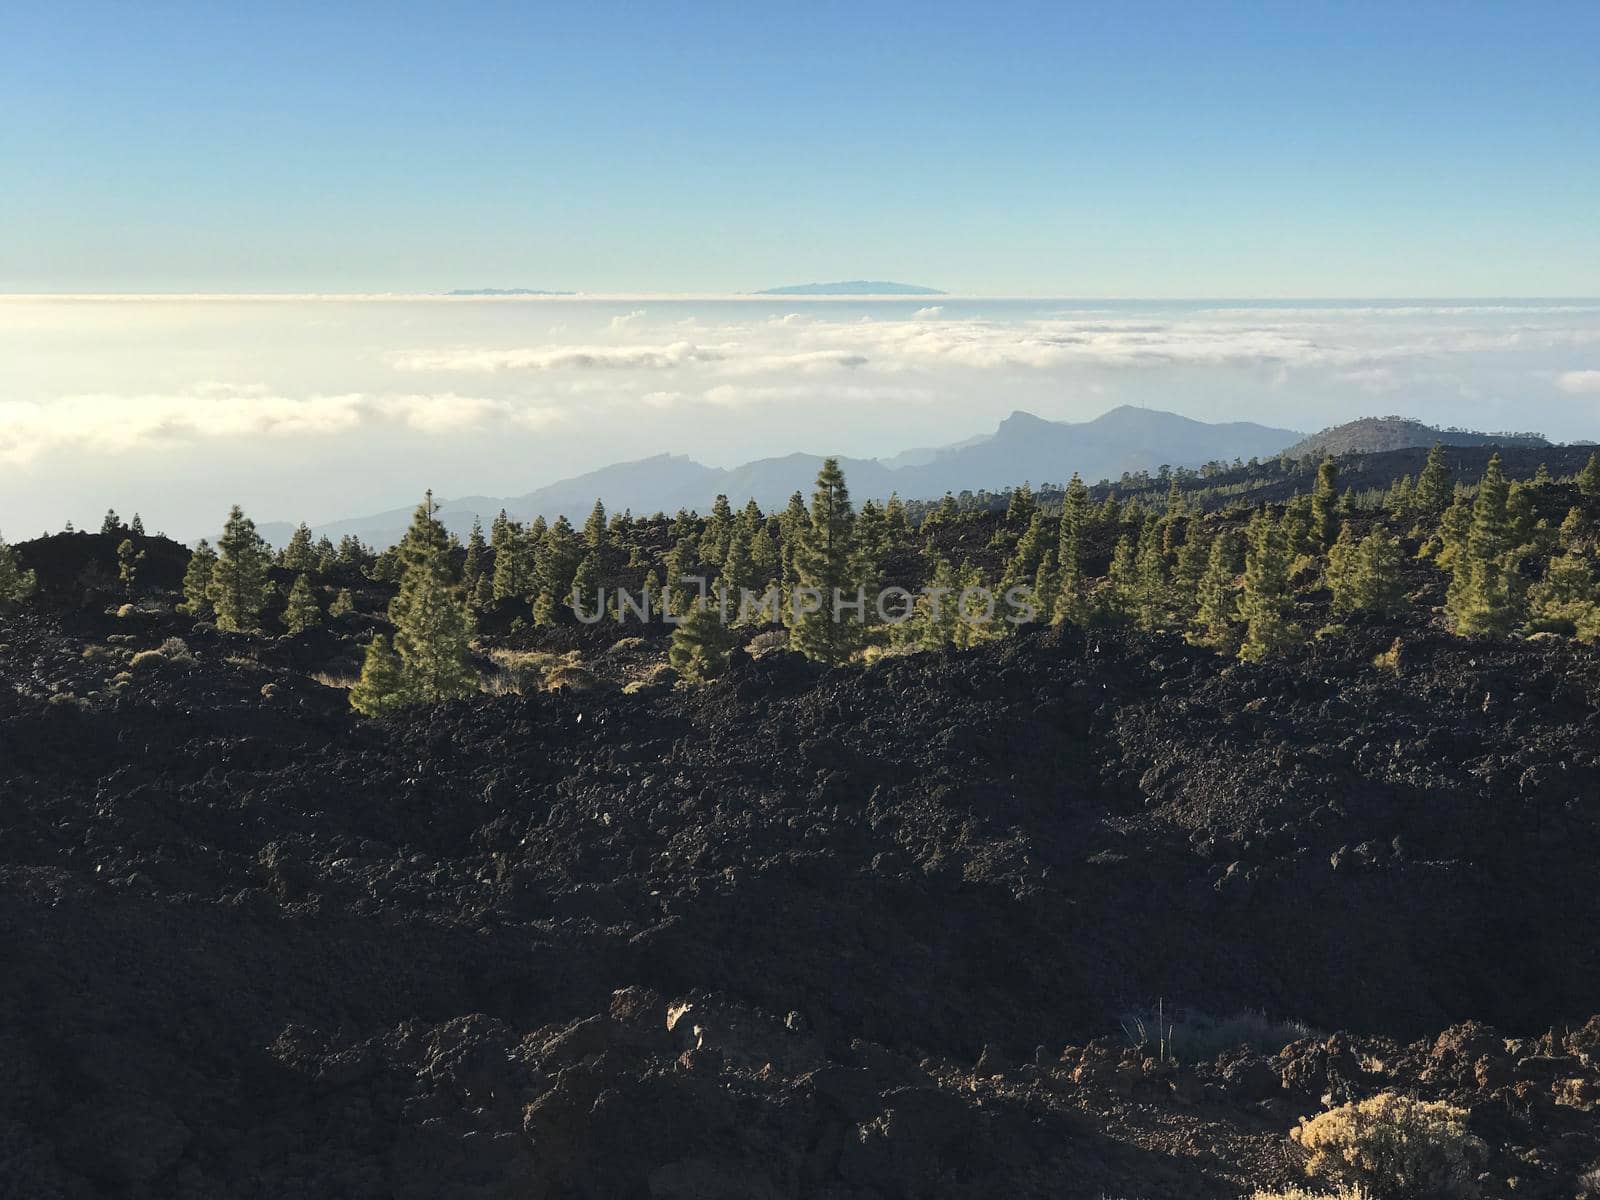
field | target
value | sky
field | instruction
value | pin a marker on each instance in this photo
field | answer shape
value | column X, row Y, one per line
column 1054, row 149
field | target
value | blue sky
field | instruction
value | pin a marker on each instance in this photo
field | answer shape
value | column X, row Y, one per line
column 996, row 149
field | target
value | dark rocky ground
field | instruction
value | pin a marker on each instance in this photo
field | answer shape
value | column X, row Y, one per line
column 860, row 933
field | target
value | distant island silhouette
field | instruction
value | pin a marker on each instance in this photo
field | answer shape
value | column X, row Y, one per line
column 852, row 287
column 506, row 292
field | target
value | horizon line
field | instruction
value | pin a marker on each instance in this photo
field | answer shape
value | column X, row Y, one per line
column 809, row 298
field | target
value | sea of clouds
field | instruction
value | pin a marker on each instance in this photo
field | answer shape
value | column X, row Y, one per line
column 321, row 407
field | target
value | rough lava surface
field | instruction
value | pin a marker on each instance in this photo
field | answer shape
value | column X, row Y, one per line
column 800, row 933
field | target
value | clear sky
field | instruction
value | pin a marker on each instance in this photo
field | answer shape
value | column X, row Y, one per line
column 1260, row 149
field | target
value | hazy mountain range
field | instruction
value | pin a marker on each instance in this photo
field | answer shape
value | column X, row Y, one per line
column 1023, row 448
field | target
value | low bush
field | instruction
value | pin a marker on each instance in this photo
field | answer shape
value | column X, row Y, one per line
column 766, row 643
column 1395, row 1147
column 148, row 660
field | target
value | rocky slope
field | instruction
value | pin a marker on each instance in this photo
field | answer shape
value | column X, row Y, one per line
column 859, row 933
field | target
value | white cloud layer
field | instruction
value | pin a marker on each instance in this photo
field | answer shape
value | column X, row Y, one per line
column 1579, row 383
column 113, row 423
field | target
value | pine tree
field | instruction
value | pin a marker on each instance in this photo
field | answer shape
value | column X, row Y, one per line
column 112, row 524
column 1265, row 603
column 302, row 611
column 765, row 561
column 1400, row 499
column 1482, row 595
column 558, row 561
column 239, row 579
column 934, row 618
column 514, row 560
column 1150, row 585
column 383, row 687
column 719, row 526
column 1045, row 585
column 685, row 576
column 1324, row 506
column 1021, row 507
column 128, row 560
column 1541, row 477
column 738, row 571
column 343, row 604
column 975, row 624
column 1218, row 607
column 584, row 596
column 197, row 581
column 16, row 584
column 896, row 525
column 1435, row 486
column 1566, row 597
column 1589, row 477
column 824, row 562
column 1069, row 552
column 1193, row 556
column 1340, row 574
column 472, row 565
column 433, row 628
column 1576, row 530
column 136, row 527
column 1454, row 529
column 1378, row 586
column 596, row 534
column 701, row 643
column 298, row 555
column 1118, row 602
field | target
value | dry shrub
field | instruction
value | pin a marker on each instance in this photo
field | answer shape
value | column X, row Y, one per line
column 572, row 676
column 147, row 660
column 1395, row 1147
column 624, row 645
column 1389, row 660
column 766, row 643
column 176, row 649
column 1299, row 1193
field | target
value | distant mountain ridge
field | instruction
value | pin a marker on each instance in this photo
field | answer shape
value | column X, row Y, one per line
column 852, row 287
column 1371, row 435
column 1022, row 448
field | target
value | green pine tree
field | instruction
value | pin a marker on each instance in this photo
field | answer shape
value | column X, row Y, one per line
column 825, row 565
column 701, row 643
column 473, row 565
column 1340, row 574
column 584, row 597
column 239, row 579
column 383, row 687
column 1577, row 532
column 1589, row 477
column 596, row 535
column 1325, row 507
column 16, row 584
column 1151, row 583
column 1266, row 600
column 1482, row 597
column 299, row 554
column 1070, row 587
column 1566, row 597
column 197, row 581
column 1435, row 486
column 1218, row 609
column 433, row 627
column 559, row 556
column 1378, row 585
column 343, row 604
column 302, row 611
